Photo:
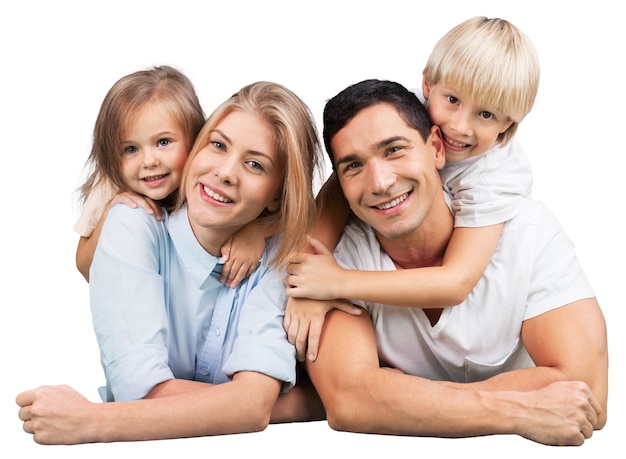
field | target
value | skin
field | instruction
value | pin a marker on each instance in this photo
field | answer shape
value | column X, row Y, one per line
column 381, row 160
column 229, row 183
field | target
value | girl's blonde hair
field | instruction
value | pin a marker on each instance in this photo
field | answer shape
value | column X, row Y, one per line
column 163, row 85
column 493, row 62
column 299, row 152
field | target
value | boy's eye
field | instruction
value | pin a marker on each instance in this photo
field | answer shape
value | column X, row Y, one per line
column 486, row 115
column 453, row 100
column 163, row 142
column 130, row 150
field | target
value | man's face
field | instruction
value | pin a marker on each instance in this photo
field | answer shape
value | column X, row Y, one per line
column 388, row 174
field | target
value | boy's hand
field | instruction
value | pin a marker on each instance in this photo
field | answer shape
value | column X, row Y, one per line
column 314, row 276
column 303, row 323
column 135, row 200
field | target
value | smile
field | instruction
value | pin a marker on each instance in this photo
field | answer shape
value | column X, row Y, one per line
column 154, row 178
column 216, row 196
column 455, row 144
column 393, row 203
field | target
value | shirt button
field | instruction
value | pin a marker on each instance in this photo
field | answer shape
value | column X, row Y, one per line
column 217, row 332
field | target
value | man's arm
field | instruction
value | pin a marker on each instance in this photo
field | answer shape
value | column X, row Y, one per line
column 360, row 396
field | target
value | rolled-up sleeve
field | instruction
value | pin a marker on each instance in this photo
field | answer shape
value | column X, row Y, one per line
column 128, row 303
column 261, row 344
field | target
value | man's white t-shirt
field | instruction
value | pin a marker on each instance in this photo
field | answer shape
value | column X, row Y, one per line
column 533, row 270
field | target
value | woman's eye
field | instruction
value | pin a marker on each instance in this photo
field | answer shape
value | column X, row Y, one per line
column 256, row 165
column 217, row 144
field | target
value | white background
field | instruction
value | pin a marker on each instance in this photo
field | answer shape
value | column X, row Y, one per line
column 58, row 59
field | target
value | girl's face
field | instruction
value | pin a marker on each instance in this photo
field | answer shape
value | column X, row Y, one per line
column 468, row 129
column 155, row 149
column 232, row 179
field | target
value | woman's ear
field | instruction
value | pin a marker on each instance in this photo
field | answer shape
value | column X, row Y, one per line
column 274, row 204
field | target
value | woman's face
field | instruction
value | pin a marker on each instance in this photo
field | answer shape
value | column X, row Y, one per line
column 232, row 179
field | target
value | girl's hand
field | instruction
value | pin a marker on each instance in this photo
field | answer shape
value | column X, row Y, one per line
column 303, row 323
column 242, row 253
column 135, row 200
column 314, row 276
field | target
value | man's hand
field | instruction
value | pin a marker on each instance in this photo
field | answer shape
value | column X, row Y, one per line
column 562, row 413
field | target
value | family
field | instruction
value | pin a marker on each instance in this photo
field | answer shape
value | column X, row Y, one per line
column 421, row 292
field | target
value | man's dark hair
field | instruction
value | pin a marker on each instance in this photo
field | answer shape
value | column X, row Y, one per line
column 340, row 109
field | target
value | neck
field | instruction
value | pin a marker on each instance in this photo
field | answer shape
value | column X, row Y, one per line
column 426, row 245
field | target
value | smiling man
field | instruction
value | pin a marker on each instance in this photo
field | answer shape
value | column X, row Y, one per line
column 525, row 353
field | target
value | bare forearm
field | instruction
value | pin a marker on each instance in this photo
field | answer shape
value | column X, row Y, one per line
column 212, row 410
column 434, row 287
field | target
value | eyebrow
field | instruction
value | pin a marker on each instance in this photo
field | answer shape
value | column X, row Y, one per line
column 250, row 152
column 378, row 146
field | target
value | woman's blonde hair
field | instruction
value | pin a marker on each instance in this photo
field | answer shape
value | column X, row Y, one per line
column 493, row 62
column 163, row 85
column 299, row 153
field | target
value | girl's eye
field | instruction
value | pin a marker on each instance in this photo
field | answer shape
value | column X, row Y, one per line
column 130, row 150
column 486, row 115
column 163, row 142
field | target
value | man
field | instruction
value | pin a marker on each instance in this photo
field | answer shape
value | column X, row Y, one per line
column 465, row 370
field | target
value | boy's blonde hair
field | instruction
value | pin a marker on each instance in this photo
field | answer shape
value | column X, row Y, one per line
column 163, row 85
column 493, row 62
column 299, row 152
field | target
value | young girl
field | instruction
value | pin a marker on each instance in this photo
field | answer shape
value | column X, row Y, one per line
column 141, row 139
column 206, row 359
column 479, row 83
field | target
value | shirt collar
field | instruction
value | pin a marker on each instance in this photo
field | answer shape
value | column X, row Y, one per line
column 198, row 262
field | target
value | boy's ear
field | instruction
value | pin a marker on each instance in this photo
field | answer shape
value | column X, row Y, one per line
column 425, row 87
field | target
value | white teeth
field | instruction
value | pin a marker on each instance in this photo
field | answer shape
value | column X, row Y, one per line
column 453, row 143
column 393, row 203
column 214, row 195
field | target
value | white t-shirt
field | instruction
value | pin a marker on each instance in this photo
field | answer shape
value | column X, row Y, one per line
column 487, row 189
column 533, row 270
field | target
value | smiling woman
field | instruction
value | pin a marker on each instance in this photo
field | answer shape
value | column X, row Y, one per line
column 206, row 359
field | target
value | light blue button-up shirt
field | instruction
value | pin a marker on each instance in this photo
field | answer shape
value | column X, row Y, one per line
column 160, row 311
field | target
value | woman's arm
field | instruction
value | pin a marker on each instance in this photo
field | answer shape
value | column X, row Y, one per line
column 87, row 245
column 59, row 415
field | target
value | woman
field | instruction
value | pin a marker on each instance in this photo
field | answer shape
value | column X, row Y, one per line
column 176, row 344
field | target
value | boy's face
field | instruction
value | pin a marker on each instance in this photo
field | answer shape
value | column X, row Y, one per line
column 468, row 129
column 388, row 174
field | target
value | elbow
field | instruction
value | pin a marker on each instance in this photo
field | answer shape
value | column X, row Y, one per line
column 342, row 412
